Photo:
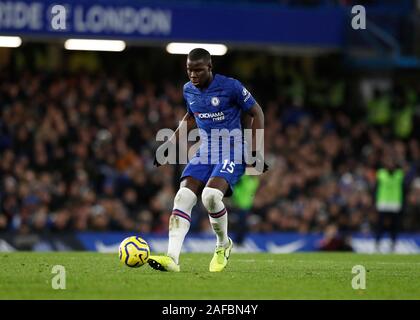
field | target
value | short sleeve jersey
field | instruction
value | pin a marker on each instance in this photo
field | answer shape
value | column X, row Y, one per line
column 219, row 106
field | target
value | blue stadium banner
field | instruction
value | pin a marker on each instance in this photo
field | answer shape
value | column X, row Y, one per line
column 287, row 242
column 278, row 242
column 166, row 21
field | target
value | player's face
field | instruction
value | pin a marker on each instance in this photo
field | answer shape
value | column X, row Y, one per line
column 199, row 72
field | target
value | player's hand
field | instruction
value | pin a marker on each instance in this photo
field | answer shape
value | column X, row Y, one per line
column 163, row 148
column 155, row 162
column 259, row 161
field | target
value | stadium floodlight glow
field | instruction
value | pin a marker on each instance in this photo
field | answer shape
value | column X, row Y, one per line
column 94, row 45
column 10, row 42
column 184, row 48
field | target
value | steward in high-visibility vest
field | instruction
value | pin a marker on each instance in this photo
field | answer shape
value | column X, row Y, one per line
column 389, row 200
column 243, row 200
column 389, row 193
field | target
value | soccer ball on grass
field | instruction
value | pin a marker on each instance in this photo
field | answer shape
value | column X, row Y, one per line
column 134, row 252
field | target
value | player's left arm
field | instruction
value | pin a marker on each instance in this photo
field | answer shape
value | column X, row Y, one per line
column 254, row 119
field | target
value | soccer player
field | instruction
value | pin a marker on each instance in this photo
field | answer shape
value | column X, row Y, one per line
column 213, row 102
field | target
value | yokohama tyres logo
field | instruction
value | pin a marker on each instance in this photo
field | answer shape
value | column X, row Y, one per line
column 209, row 115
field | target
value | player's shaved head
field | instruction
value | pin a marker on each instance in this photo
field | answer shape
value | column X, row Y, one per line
column 199, row 54
column 199, row 67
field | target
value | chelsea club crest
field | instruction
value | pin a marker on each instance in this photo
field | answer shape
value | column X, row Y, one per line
column 215, row 101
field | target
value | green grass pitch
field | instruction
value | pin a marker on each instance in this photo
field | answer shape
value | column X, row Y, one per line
column 26, row 275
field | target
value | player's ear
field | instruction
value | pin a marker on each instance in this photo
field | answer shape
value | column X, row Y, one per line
column 210, row 66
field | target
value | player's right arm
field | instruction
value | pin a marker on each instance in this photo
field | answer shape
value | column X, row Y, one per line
column 189, row 121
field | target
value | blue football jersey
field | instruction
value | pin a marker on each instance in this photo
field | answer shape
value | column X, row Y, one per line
column 218, row 107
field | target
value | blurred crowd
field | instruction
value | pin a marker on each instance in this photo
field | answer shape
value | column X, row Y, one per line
column 76, row 153
column 324, row 173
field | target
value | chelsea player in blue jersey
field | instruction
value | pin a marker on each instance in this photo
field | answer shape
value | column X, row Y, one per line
column 213, row 102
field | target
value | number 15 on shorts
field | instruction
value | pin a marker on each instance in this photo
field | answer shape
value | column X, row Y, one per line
column 228, row 167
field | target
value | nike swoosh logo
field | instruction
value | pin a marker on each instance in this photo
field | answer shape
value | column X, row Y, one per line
column 101, row 247
column 192, row 102
column 285, row 248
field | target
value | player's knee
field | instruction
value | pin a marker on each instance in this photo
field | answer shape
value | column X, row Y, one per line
column 212, row 198
column 185, row 198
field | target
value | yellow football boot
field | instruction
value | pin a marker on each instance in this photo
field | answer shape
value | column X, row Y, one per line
column 220, row 257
